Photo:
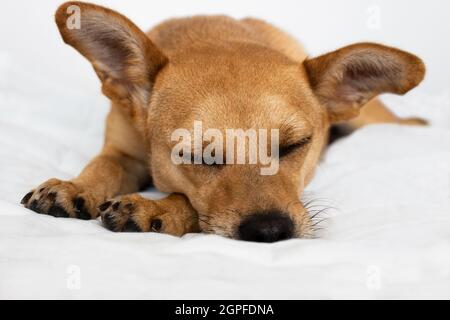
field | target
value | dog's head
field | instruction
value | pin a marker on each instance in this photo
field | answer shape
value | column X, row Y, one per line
column 235, row 86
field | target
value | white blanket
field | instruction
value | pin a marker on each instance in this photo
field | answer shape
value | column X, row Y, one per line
column 387, row 238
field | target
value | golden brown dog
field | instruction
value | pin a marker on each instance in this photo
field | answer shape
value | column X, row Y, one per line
column 229, row 74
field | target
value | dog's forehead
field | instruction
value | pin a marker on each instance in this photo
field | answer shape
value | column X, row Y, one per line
column 264, row 111
column 236, row 65
column 243, row 88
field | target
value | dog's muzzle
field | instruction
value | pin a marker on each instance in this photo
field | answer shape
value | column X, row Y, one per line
column 266, row 227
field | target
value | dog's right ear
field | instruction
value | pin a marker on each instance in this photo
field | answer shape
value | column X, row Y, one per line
column 346, row 79
column 123, row 57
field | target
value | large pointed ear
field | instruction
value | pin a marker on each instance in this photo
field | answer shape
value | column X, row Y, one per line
column 346, row 79
column 123, row 57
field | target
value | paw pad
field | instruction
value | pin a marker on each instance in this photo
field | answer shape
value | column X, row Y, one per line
column 108, row 221
column 116, row 206
column 34, row 206
column 58, row 212
column 105, row 206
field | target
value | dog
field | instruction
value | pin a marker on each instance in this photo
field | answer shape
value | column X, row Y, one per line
column 226, row 73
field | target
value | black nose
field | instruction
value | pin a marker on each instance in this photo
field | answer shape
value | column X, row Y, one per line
column 266, row 227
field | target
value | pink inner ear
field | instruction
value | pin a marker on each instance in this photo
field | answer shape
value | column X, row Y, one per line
column 367, row 75
column 112, row 43
column 360, row 85
column 346, row 79
column 346, row 93
column 357, row 80
column 108, row 44
column 122, row 55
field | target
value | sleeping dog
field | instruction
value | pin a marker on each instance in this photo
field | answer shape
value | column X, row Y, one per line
column 226, row 73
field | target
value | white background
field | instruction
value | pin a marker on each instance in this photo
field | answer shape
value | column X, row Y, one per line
column 419, row 26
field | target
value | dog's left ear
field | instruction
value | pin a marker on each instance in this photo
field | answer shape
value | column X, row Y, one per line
column 346, row 79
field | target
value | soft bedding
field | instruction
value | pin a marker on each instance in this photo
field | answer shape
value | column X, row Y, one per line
column 385, row 191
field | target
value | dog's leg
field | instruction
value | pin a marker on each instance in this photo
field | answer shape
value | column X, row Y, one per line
column 376, row 112
column 173, row 215
column 119, row 169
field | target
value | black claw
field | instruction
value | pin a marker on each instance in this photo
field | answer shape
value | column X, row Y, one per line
column 105, row 206
column 58, row 212
column 131, row 226
column 116, row 206
column 83, row 215
column 80, row 209
column 27, row 198
column 78, row 203
column 34, row 206
column 156, row 225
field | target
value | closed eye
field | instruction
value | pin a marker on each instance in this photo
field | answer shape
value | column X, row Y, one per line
column 287, row 150
column 205, row 163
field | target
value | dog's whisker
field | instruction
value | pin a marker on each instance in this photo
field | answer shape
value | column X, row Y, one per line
column 317, row 199
column 318, row 213
column 320, row 206
column 306, row 204
column 320, row 221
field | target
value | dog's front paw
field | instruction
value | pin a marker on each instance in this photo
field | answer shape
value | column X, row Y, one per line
column 133, row 213
column 61, row 199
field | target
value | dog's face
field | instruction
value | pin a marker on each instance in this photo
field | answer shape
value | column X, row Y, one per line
column 240, row 86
